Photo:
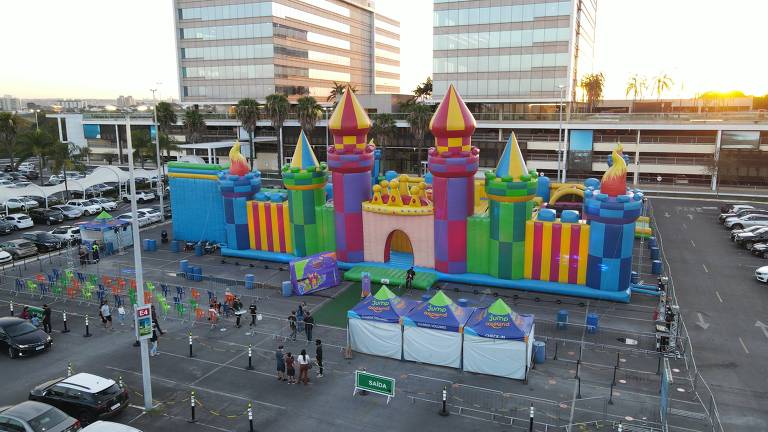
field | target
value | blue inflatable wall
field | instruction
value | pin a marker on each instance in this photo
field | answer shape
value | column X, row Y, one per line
column 198, row 210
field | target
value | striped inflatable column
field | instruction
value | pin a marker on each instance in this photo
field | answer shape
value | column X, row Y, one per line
column 236, row 191
column 302, row 202
column 611, row 237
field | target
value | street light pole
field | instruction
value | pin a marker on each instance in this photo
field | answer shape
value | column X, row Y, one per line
column 37, row 125
column 560, row 158
column 145, row 373
column 157, row 152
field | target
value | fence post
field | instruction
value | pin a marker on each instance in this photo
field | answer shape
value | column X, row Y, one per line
column 64, row 318
column 87, row 329
column 556, row 345
column 250, row 417
column 444, row 410
column 192, row 406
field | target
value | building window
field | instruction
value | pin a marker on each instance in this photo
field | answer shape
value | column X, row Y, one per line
column 245, row 31
column 209, row 13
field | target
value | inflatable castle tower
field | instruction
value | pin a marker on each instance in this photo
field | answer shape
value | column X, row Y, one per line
column 238, row 186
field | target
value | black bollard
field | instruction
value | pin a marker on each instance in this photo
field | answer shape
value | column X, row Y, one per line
column 250, row 417
column 190, row 346
column 444, row 410
column 11, row 308
column 250, row 364
column 578, row 392
column 87, row 329
column 64, row 318
column 530, row 422
column 192, row 405
column 556, row 344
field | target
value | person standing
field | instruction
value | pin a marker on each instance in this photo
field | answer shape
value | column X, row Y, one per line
column 289, row 366
column 153, row 352
column 46, row 318
column 106, row 315
column 303, row 360
column 237, row 305
column 409, row 276
column 309, row 324
column 155, row 321
column 292, row 325
column 253, row 310
column 280, row 360
column 300, row 317
column 319, row 357
column 95, row 253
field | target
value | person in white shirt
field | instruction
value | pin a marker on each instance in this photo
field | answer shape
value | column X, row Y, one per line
column 105, row 314
column 303, row 360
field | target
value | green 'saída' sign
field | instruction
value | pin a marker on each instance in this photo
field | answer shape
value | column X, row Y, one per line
column 375, row 383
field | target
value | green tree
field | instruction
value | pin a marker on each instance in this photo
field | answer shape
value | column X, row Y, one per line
column 418, row 117
column 194, row 124
column 142, row 145
column 84, row 154
column 383, row 129
column 308, row 111
column 64, row 158
column 248, row 111
column 593, row 85
column 168, row 144
column 661, row 83
column 277, row 106
column 9, row 129
column 337, row 91
column 423, row 90
column 636, row 85
column 37, row 142
column 166, row 117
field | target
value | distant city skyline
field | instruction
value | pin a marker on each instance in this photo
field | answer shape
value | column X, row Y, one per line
column 98, row 57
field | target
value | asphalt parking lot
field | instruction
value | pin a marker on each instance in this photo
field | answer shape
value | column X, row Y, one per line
column 722, row 303
column 224, row 386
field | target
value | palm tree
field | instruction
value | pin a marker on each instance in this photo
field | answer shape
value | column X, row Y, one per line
column 142, row 145
column 593, row 85
column 661, row 83
column 38, row 143
column 248, row 112
column 168, row 143
column 194, row 124
column 419, row 115
column 9, row 128
column 383, row 129
column 166, row 117
column 636, row 85
column 64, row 158
column 423, row 90
column 337, row 90
column 277, row 109
column 308, row 111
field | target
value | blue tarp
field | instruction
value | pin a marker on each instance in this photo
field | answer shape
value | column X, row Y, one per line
column 498, row 321
column 440, row 313
column 385, row 306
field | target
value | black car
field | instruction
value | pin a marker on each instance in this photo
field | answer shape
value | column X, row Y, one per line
column 32, row 175
column 6, row 227
column 760, row 249
column 21, row 339
column 46, row 216
column 45, row 242
column 84, row 396
column 36, row 198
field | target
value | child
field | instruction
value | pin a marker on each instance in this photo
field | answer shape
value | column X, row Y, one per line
column 289, row 361
column 121, row 314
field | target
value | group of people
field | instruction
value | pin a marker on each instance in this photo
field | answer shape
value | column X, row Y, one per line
column 301, row 321
column 287, row 364
column 85, row 251
column 35, row 319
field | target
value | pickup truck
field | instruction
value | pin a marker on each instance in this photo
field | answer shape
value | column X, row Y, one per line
column 141, row 197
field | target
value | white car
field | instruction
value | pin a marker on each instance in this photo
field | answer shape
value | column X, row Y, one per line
column 105, row 426
column 143, row 219
column 762, row 274
column 152, row 214
column 105, row 203
column 19, row 220
column 141, row 197
column 6, row 183
column 20, row 203
column 67, row 233
column 5, row 257
column 55, row 179
column 27, row 166
column 746, row 221
column 86, row 206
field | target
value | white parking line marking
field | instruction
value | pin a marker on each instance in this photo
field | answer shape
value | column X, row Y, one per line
column 685, row 226
column 743, row 346
column 718, row 296
column 705, row 268
column 694, row 244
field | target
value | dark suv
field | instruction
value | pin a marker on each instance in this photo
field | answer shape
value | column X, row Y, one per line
column 84, row 396
column 6, row 227
column 46, row 216
column 44, row 241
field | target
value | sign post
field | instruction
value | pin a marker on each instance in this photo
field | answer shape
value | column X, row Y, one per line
column 143, row 322
column 375, row 384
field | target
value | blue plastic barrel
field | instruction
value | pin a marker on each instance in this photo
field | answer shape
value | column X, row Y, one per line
column 652, row 242
column 635, row 277
column 184, row 266
column 287, row 288
column 539, row 351
column 174, row 245
column 198, row 274
column 145, row 245
column 562, row 319
column 592, row 322
column 198, row 249
column 462, row 302
column 425, row 297
column 152, row 244
column 654, row 253
column 249, row 279
column 656, row 267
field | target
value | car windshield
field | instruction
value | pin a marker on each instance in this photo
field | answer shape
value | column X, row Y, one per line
column 47, row 420
column 108, row 392
column 66, row 207
column 46, row 237
column 19, row 329
column 24, row 244
column 23, row 217
column 60, row 231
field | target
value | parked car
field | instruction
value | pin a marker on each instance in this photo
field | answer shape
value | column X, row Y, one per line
column 103, row 187
column 45, row 242
column 70, row 212
column 19, row 248
column 104, row 426
column 67, row 233
column 46, row 216
column 760, row 249
column 746, row 230
column 761, row 274
column 143, row 219
column 748, row 238
column 30, row 174
column 36, row 198
column 6, row 183
column 32, row 416
column 19, row 184
column 55, row 179
column 141, row 197
column 739, row 213
column 85, row 205
column 5, row 257
column 20, row 220
column 6, row 227
column 26, row 166
column 166, row 209
column 84, row 396
column 746, row 221
column 153, row 214
column 21, row 339
column 105, row 203
column 20, row 203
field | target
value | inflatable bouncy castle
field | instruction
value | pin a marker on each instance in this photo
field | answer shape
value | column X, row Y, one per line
column 503, row 231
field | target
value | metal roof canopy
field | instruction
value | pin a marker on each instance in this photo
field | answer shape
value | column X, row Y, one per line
column 224, row 144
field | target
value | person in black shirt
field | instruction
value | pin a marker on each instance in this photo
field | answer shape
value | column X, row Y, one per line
column 319, row 357
column 309, row 323
column 252, row 309
column 409, row 275
column 237, row 305
column 46, row 318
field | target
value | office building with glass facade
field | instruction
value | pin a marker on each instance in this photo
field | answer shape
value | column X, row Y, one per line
column 231, row 49
column 512, row 50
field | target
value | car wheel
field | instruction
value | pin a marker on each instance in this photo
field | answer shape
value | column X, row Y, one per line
column 748, row 245
column 737, row 227
column 140, row 201
column 12, row 353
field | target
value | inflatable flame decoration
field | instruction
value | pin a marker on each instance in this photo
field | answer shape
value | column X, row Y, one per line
column 238, row 165
column 614, row 181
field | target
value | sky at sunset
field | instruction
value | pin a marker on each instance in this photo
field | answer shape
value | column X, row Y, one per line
column 102, row 49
